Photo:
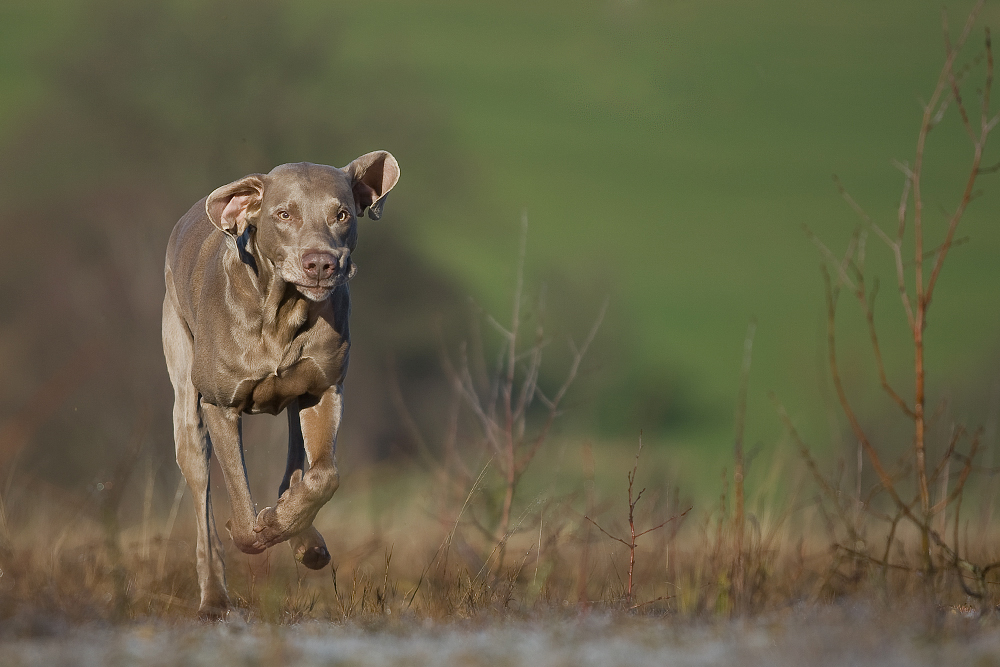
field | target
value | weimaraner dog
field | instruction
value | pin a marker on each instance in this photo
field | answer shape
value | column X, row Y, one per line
column 255, row 319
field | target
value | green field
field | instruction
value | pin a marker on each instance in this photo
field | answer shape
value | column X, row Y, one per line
column 666, row 155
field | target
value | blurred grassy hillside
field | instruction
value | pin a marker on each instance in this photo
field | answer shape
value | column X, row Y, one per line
column 666, row 154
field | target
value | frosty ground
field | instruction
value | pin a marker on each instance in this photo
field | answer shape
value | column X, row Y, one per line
column 839, row 634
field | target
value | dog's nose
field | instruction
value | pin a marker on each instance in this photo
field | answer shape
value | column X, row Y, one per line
column 319, row 265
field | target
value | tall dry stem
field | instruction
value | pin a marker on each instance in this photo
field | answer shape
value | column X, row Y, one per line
column 738, row 458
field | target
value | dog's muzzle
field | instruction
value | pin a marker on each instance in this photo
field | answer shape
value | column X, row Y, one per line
column 322, row 272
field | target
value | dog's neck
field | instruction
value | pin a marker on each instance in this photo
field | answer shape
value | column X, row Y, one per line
column 283, row 306
column 242, row 244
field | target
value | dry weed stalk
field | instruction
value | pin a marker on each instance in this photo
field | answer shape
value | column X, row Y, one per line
column 849, row 272
column 365, row 596
column 631, row 543
column 739, row 472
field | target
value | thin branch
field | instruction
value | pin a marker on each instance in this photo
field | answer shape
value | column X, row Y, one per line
column 832, row 258
column 650, row 530
column 956, row 435
column 955, row 92
column 962, row 478
column 740, row 424
column 530, row 383
column 616, row 539
column 825, row 486
column 868, row 307
column 554, row 402
column 871, row 559
column 446, row 544
column 973, row 172
column 463, row 385
column 892, row 535
column 404, row 412
column 507, row 335
column 842, row 396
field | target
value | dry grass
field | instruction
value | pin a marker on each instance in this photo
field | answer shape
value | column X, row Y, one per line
column 73, row 567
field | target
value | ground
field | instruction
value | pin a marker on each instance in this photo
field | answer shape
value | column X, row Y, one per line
column 836, row 634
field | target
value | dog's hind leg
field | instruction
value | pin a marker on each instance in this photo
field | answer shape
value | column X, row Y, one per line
column 193, row 450
column 308, row 547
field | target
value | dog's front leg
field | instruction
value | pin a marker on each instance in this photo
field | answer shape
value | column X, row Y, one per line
column 308, row 547
column 319, row 420
column 225, row 429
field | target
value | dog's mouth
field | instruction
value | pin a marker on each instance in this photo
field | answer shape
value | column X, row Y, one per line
column 315, row 292
column 320, row 290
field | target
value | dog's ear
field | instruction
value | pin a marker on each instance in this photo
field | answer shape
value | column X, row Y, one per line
column 372, row 176
column 229, row 207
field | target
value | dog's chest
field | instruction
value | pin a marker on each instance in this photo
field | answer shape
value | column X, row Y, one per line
column 267, row 365
column 310, row 364
column 274, row 392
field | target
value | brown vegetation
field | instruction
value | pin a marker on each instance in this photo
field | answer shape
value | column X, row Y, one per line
column 871, row 529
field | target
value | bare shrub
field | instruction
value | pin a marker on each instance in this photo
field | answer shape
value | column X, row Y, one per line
column 634, row 533
column 512, row 416
column 902, row 501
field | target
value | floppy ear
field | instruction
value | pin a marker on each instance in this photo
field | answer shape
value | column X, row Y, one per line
column 372, row 176
column 229, row 207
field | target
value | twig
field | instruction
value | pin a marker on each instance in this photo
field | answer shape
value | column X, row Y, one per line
column 631, row 544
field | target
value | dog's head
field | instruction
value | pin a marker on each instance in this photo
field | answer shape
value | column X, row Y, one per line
column 305, row 216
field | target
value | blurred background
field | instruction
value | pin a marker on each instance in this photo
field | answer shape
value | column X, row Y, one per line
column 666, row 155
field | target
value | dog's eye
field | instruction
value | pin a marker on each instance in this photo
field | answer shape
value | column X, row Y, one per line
column 284, row 215
column 343, row 216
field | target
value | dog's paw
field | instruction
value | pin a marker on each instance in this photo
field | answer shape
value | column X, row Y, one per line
column 309, row 549
column 248, row 544
column 315, row 558
column 270, row 529
column 265, row 518
column 215, row 610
